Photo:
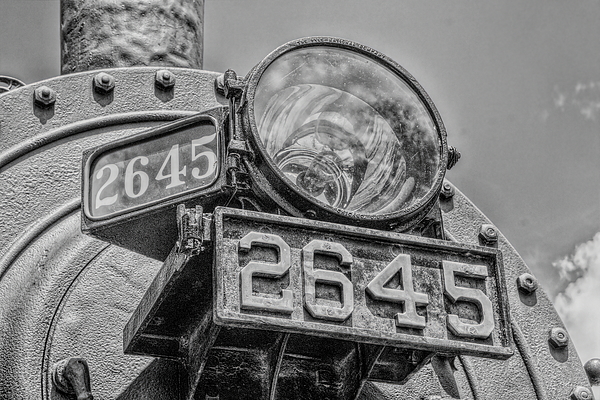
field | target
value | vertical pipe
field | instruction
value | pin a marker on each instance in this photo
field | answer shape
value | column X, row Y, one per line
column 99, row 34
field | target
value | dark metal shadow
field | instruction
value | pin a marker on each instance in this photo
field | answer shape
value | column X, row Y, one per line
column 160, row 380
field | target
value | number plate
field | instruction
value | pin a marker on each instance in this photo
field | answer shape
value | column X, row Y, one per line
column 294, row 275
column 164, row 163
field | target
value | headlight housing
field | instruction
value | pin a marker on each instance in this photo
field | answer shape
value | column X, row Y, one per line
column 344, row 133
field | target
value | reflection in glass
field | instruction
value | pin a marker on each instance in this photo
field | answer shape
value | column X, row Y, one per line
column 346, row 130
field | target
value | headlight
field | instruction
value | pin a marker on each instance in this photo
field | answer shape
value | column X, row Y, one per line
column 348, row 130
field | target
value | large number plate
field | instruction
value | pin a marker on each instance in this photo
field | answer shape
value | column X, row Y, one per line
column 294, row 275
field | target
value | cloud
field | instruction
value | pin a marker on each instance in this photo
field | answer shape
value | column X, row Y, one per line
column 560, row 99
column 585, row 98
column 579, row 304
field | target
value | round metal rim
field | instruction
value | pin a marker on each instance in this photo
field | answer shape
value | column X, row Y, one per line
column 423, row 205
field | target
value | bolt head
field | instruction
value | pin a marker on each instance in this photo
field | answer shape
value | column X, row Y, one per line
column 592, row 369
column 104, row 83
column 447, row 191
column 581, row 393
column 558, row 338
column 310, row 214
column 527, row 283
column 44, row 97
column 164, row 79
column 488, row 234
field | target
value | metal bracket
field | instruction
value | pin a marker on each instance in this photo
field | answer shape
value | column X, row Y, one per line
column 444, row 369
column 192, row 228
column 72, row 376
column 229, row 85
column 236, row 175
column 453, row 157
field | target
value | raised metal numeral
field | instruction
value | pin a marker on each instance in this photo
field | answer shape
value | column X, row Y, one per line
column 261, row 268
column 409, row 318
column 483, row 329
column 312, row 276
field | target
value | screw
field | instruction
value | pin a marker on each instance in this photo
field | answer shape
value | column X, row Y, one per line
column 103, row 83
column 164, row 80
column 558, row 338
column 527, row 283
column 44, row 97
column 488, row 235
column 447, row 191
column 581, row 393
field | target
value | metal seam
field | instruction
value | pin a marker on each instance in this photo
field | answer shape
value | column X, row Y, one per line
column 52, row 327
column 38, row 141
column 280, row 354
column 525, row 352
column 34, row 230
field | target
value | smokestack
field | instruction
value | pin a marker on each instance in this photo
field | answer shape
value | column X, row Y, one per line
column 99, row 34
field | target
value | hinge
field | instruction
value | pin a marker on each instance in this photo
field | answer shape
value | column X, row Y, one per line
column 236, row 176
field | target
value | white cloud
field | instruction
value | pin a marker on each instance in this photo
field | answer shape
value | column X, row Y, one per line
column 579, row 304
column 560, row 99
column 585, row 98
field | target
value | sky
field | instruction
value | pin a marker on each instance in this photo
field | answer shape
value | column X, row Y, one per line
column 517, row 84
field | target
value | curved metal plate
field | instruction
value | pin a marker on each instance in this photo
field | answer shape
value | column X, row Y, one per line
column 61, row 292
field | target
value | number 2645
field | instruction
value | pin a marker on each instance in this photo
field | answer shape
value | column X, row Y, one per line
column 376, row 288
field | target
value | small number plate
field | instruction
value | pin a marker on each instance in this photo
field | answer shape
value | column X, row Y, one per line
column 163, row 163
column 294, row 275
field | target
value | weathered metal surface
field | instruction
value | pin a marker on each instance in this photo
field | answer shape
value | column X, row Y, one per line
column 239, row 363
column 64, row 294
column 98, row 34
column 390, row 288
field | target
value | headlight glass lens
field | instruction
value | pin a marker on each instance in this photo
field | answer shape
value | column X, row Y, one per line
column 346, row 130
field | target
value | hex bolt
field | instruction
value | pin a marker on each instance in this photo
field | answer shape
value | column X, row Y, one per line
column 527, row 283
column 164, row 79
column 447, row 191
column 488, row 234
column 44, row 97
column 581, row 393
column 558, row 338
column 592, row 369
column 104, row 83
